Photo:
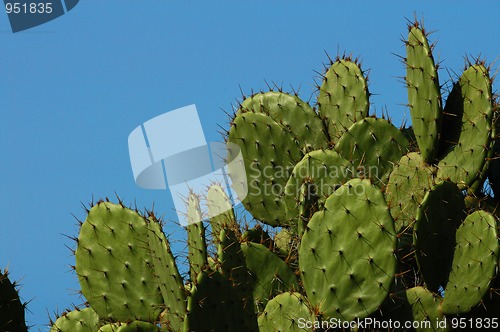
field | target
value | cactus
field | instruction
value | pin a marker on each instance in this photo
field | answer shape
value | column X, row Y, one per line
column 463, row 162
column 291, row 113
column 346, row 257
column 408, row 183
column 258, row 235
column 274, row 151
column 474, row 263
column 424, row 96
column 169, row 279
column 373, row 146
column 438, row 217
column 114, row 266
column 286, row 312
column 417, row 304
column 197, row 248
column 315, row 169
column 212, row 298
column 343, row 96
column 364, row 219
column 78, row 320
column 269, row 274
column 11, row 306
column 234, row 268
column 220, row 211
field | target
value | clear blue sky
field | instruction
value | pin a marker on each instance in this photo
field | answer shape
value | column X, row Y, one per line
column 73, row 89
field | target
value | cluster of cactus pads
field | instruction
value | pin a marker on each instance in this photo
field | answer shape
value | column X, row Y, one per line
column 355, row 218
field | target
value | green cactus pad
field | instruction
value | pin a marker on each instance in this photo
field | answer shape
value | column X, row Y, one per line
column 114, row 265
column 169, row 279
column 136, row 326
column 197, row 248
column 438, row 217
column 408, row 183
column 474, row 263
column 472, row 99
column 213, row 305
column 346, row 256
column 269, row 154
column 324, row 170
column 269, row 274
column 343, row 97
column 417, row 304
column 233, row 267
column 424, row 94
column 220, row 211
column 11, row 307
column 286, row 312
column 293, row 114
column 78, row 320
column 373, row 146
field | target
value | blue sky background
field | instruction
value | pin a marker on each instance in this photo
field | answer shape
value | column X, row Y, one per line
column 73, row 89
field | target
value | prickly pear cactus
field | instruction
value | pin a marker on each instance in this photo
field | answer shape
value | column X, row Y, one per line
column 114, row 265
column 286, row 312
column 424, row 92
column 474, row 263
column 438, row 217
column 352, row 217
column 464, row 160
column 269, row 153
column 346, row 258
column 343, row 96
column 11, row 307
column 78, row 320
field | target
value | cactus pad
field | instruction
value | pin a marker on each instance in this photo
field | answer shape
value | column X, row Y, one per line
column 324, row 171
column 346, row 256
column 373, row 145
column 424, row 95
column 408, row 183
column 343, row 97
column 286, row 312
column 11, row 307
column 463, row 162
column 114, row 265
column 474, row 263
column 213, row 305
column 197, row 248
column 233, row 267
column 220, row 211
column 169, row 279
column 78, row 320
column 438, row 217
column 270, row 275
column 417, row 304
column 293, row 114
column 269, row 154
